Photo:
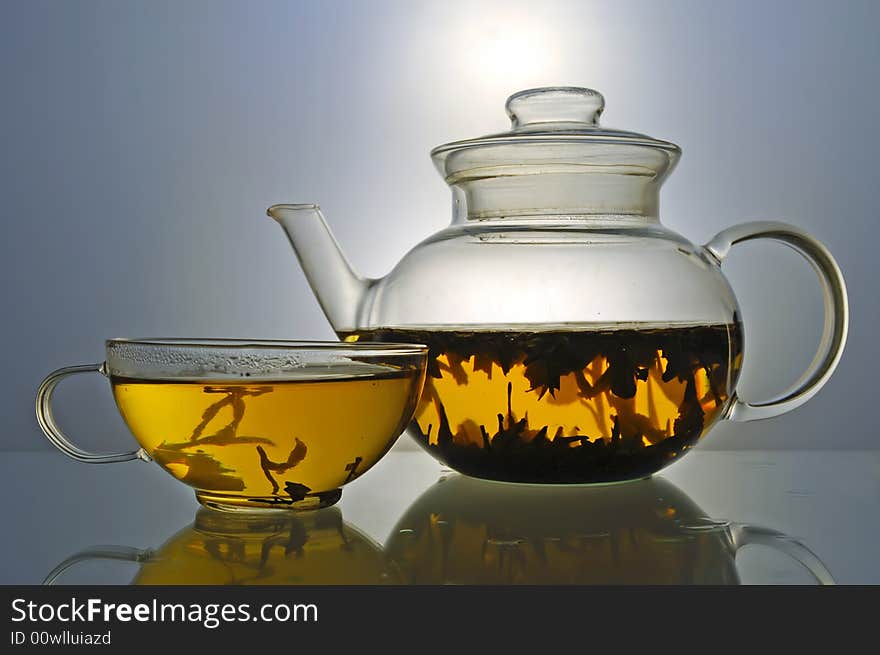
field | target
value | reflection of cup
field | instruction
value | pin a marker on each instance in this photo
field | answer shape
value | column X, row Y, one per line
column 255, row 424
column 223, row 548
column 468, row 531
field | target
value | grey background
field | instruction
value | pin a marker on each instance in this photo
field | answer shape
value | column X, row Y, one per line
column 142, row 141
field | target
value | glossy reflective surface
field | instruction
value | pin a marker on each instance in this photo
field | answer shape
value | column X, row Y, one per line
column 467, row 531
column 409, row 521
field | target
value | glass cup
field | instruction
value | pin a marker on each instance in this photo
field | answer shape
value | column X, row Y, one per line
column 254, row 425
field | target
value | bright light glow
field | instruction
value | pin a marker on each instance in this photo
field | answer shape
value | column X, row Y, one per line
column 513, row 48
column 494, row 48
column 507, row 49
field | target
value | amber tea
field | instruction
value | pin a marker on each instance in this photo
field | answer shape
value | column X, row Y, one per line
column 253, row 424
column 271, row 442
column 570, row 406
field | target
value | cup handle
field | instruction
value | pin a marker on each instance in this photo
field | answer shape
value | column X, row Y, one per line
column 744, row 535
column 118, row 553
column 836, row 313
column 54, row 433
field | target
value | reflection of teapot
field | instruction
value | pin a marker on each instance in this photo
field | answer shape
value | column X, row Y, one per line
column 467, row 531
column 222, row 548
column 573, row 337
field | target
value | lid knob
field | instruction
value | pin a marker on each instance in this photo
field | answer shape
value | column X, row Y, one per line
column 557, row 104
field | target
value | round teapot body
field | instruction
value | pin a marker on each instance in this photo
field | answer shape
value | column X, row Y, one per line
column 563, row 350
column 573, row 338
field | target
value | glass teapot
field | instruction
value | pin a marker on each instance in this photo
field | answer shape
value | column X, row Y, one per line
column 574, row 338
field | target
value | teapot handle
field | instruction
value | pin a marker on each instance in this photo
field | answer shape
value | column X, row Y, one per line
column 744, row 535
column 117, row 553
column 836, row 313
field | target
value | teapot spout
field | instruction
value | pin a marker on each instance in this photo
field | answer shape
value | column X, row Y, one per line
column 339, row 290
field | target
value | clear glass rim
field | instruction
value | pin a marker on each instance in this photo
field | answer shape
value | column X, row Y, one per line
column 571, row 137
column 361, row 348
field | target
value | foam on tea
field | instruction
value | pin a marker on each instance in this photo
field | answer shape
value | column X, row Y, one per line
column 257, row 442
column 573, row 405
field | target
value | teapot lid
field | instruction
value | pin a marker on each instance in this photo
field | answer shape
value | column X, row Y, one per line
column 552, row 126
